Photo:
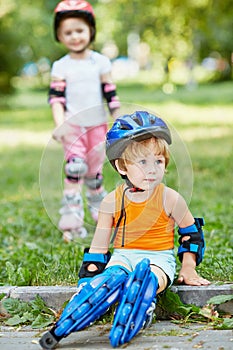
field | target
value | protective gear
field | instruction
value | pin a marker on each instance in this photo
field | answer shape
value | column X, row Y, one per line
column 196, row 243
column 110, row 94
column 94, row 183
column 71, row 9
column 138, row 126
column 75, row 169
column 98, row 259
column 136, row 305
column 135, row 292
column 91, row 301
column 57, row 92
column 72, row 216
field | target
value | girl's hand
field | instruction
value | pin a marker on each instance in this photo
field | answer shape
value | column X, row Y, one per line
column 115, row 113
column 60, row 132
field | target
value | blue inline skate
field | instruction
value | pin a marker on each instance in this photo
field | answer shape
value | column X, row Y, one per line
column 135, row 309
column 92, row 300
column 135, row 292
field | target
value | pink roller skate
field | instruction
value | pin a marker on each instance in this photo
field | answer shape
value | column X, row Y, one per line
column 72, row 216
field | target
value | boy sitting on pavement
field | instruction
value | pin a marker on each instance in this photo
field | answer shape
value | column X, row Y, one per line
column 143, row 212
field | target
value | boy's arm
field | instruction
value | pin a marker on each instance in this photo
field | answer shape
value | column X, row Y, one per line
column 178, row 209
column 101, row 239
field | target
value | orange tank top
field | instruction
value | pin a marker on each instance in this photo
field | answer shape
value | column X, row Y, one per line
column 147, row 225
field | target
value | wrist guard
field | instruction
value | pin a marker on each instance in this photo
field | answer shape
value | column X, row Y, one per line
column 196, row 243
column 98, row 259
column 109, row 93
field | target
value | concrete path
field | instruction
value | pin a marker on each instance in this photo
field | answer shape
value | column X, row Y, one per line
column 161, row 335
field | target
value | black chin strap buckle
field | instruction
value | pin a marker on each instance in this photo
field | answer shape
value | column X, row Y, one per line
column 132, row 188
column 135, row 189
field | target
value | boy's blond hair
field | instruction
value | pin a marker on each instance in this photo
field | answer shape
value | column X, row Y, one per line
column 143, row 148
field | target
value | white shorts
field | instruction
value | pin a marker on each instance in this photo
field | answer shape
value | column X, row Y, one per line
column 164, row 259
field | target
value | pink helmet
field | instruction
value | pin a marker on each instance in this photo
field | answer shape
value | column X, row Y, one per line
column 75, row 8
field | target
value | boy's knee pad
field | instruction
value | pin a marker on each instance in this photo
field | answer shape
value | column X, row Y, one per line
column 95, row 182
column 138, row 298
column 75, row 169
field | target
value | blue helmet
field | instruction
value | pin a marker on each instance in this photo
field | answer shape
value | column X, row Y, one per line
column 138, row 126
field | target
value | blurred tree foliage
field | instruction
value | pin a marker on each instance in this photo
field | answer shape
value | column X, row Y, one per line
column 174, row 28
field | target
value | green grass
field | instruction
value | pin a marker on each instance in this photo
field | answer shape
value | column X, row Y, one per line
column 203, row 95
column 32, row 251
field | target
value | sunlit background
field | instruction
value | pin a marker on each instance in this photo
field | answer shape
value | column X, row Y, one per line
column 169, row 42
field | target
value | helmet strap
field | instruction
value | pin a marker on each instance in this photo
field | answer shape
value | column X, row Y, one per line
column 131, row 188
column 129, row 184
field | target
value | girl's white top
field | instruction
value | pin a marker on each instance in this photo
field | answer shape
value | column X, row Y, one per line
column 84, row 100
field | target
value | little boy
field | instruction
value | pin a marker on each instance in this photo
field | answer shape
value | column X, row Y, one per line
column 143, row 212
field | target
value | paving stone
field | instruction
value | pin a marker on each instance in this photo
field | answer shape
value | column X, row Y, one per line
column 199, row 295
column 161, row 335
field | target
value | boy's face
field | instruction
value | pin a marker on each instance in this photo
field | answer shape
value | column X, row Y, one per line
column 75, row 34
column 145, row 172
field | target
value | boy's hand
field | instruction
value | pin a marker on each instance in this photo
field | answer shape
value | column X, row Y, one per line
column 188, row 275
